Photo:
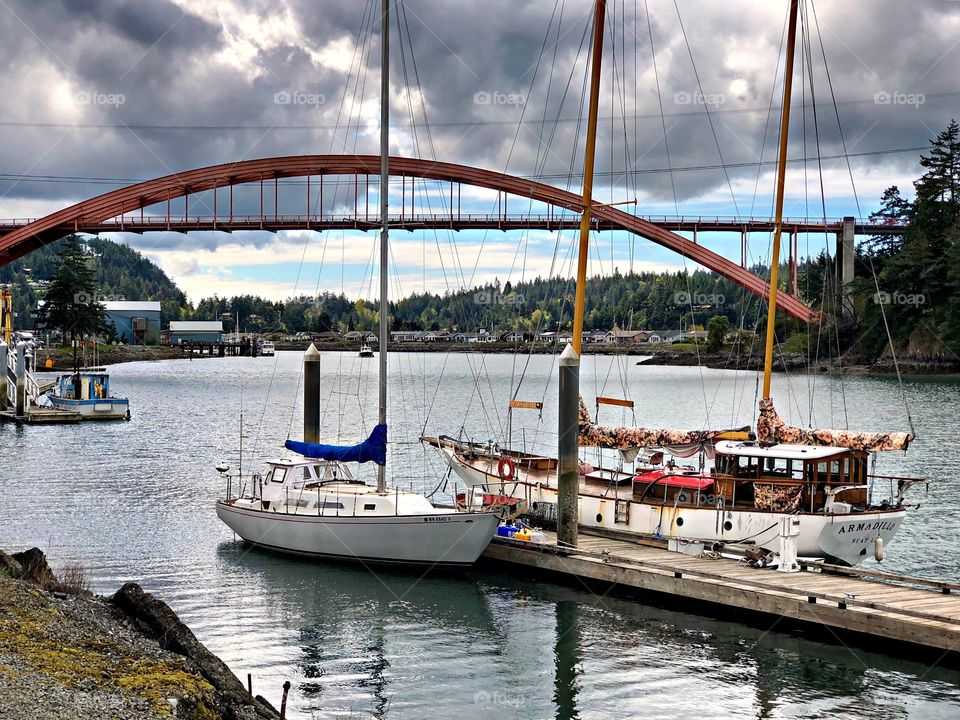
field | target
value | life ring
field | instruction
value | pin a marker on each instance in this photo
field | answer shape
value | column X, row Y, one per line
column 506, row 468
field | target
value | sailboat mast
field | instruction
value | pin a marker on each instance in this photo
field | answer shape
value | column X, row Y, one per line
column 568, row 472
column 589, row 156
column 384, row 233
column 781, row 182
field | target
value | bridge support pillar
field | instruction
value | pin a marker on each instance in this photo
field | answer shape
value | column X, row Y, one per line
column 846, row 251
column 4, row 387
column 21, row 402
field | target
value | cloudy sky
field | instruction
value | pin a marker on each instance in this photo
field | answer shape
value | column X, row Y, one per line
column 101, row 93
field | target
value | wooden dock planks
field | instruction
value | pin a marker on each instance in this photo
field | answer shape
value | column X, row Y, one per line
column 866, row 605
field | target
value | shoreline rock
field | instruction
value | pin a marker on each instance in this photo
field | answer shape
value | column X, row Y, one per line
column 73, row 654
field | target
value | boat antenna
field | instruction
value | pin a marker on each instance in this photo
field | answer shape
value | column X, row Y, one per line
column 384, row 233
column 781, row 181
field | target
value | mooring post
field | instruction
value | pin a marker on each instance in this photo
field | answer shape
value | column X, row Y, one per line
column 21, row 378
column 311, row 395
column 4, row 387
column 283, row 702
column 567, row 432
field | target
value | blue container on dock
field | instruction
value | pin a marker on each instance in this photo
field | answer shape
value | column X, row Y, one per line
column 507, row 531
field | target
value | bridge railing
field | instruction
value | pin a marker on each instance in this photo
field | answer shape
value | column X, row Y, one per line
column 703, row 221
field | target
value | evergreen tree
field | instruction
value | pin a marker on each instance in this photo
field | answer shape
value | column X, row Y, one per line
column 70, row 304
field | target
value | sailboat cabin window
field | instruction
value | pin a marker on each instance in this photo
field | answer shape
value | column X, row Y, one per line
column 277, row 475
column 369, row 506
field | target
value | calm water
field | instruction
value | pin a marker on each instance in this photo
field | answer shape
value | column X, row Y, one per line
column 134, row 501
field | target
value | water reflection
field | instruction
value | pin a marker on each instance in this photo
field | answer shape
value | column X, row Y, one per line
column 477, row 645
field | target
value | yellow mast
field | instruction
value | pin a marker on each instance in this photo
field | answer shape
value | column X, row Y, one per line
column 578, row 305
column 568, row 470
column 781, row 181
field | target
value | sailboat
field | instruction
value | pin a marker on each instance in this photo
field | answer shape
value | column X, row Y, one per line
column 819, row 478
column 312, row 504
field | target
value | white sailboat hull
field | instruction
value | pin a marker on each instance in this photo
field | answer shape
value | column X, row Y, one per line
column 427, row 539
column 847, row 538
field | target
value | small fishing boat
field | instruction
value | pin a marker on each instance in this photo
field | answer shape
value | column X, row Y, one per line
column 366, row 351
column 266, row 348
column 87, row 392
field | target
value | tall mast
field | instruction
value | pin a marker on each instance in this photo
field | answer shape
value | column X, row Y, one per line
column 384, row 233
column 781, row 181
column 568, row 480
column 588, row 162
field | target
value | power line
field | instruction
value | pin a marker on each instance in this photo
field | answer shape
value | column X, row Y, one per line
column 92, row 180
column 451, row 123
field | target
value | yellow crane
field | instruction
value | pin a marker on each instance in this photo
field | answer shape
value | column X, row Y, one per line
column 6, row 314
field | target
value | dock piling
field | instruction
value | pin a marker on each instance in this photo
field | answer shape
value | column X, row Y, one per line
column 569, row 471
column 21, row 372
column 4, row 387
column 311, row 395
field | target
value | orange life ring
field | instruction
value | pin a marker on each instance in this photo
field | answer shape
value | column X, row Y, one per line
column 506, row 468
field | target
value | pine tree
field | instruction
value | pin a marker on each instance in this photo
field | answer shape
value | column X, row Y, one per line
column 894, row 210
column 70, row 304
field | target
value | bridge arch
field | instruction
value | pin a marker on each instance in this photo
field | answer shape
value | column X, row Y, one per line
column 115, row 203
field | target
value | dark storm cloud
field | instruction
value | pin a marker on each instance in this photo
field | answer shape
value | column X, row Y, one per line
column 213, row 73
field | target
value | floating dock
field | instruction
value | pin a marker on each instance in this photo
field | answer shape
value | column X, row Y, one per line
column 891, row 611
column 41, row 416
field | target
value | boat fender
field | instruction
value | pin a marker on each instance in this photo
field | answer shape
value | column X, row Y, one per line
column 878, row 549
column 506, row 468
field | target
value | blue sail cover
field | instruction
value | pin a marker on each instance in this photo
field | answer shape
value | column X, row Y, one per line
column 374, row 448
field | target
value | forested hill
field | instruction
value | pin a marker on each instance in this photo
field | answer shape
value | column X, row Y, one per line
column 628, row 301
column 122, row 273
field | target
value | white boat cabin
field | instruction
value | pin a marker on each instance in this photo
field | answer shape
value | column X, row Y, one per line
column 306, row 486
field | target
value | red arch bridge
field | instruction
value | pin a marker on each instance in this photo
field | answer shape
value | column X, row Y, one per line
column 168, row 200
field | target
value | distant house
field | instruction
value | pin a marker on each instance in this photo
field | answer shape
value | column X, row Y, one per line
column 186, row 331
column 514, row 336
column 327, row 336
column 137, row 323
column 601, row 336
column 660, row 336
column 630, row 337
column 694, row 336
column 401, row 336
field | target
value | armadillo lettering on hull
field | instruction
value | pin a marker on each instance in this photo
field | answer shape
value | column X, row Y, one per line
column 847, row 541
column 864, row 526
